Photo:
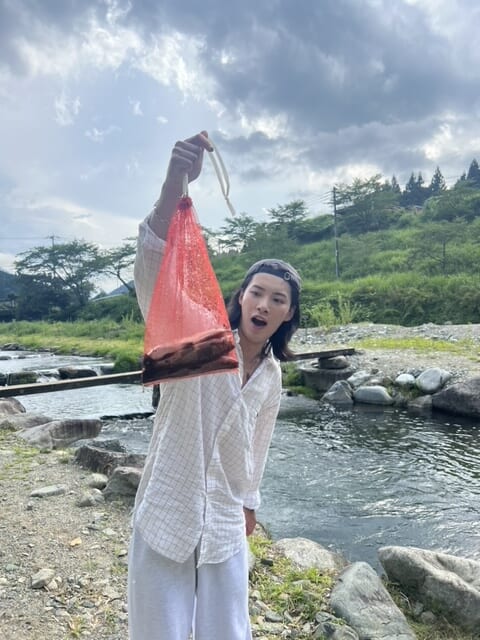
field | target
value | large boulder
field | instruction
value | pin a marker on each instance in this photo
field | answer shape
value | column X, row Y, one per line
column 22, row 377
column 11, row 407
column 59, row 434
column 123, row 483
column 103, row 458
column 307, row 553
column 462, row 398
column 373, row 394
column 432, row 380
column 420, row 405
column 18, row 421
column 360, row 378
column 70, row 373
column 360, row 598
column 339, row 393
column 445, row 582
column 405, row 381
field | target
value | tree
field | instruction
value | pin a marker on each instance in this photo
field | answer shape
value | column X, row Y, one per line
column 119, row 262
column 315, row 229
column 437, row 184
column 272, row 241
column 461, row 181
column 395, row 186
column 365, row 206
column 62, row 275
column 289, row 216
column 429, row 252
column 238, row 232
column 40, row 299
column 460, row 202
column 473, row 175
column 414, row 194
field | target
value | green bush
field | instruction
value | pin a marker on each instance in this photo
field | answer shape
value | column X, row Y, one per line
column 291, row 375
column 116, row 308
column 126, row 361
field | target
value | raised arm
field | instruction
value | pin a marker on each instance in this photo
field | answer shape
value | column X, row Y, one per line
column 186, row 158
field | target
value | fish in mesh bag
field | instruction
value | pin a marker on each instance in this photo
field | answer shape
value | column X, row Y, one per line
column 187, row 329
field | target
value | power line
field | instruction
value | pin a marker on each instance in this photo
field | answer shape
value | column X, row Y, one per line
column 32, row 237
column 22, row 238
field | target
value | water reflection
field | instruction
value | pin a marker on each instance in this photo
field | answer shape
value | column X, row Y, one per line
column 356, row 480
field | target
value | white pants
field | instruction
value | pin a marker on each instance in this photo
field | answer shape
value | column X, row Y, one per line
column 168, row 600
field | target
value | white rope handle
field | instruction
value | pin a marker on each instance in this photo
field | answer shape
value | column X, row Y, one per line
column 222, row 176
column 185, row 185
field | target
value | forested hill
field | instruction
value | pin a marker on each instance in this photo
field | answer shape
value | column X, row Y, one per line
column 387, row 255
column 404, row 257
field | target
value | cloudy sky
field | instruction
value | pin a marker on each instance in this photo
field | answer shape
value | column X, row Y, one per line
column 297, row 94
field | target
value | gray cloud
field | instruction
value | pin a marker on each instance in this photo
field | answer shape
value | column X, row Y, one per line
column 327, row 65
column 353, row 80
column 28, row 19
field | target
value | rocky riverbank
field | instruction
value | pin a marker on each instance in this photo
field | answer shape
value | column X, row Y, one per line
column 63, row 565
column 408, row 350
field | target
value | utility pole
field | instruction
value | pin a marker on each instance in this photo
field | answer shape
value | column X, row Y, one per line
column 54, row 259
column 337, row 265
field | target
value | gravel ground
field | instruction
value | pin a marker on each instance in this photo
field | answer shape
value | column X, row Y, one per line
column 464, row 338
column 83, row 550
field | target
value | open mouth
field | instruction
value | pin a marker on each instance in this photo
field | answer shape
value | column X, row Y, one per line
column 258, row 322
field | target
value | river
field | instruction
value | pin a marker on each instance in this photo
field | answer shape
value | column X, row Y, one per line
column 353, row 480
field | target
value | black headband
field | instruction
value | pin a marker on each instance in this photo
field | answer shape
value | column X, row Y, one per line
column 277, row 268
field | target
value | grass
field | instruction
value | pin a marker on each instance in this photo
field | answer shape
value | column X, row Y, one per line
column 441, row 629
column 294, row 594
column 20, row 459
column 76, row 626
column 421, row 345
column 120, row 341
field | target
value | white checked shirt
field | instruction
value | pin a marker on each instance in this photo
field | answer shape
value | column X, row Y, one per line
column 208, row 448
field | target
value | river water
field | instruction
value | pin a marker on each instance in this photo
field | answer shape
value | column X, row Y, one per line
column 353, row 480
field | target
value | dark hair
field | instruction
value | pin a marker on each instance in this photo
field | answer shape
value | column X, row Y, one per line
column 279, row 340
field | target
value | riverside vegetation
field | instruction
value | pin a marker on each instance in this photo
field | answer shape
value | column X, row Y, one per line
column 122, row 341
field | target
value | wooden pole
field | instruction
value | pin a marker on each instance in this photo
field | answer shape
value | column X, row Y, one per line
column 130, row 377
column 64, row 385
column 337, row 256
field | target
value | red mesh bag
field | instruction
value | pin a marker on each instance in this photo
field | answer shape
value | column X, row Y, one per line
column 187, row 329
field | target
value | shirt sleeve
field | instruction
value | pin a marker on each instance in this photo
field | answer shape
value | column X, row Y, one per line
column 265, row 425
column 150, row 250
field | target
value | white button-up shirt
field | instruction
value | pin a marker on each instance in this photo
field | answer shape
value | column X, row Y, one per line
column 208, row 448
